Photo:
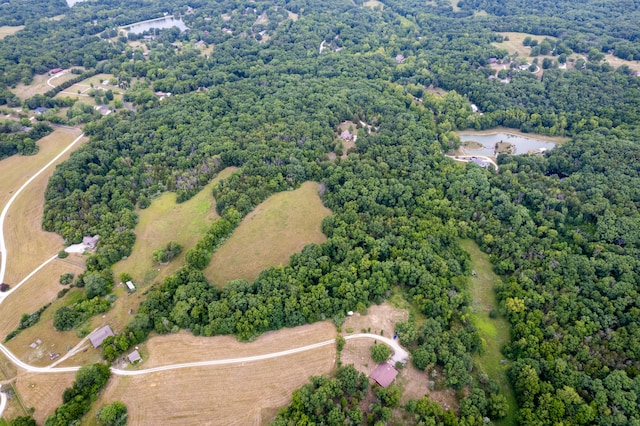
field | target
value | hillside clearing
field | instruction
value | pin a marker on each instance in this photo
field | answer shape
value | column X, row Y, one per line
column 7, row 30
column 43, row 391
column 270, row 234
column 39, row 84
column 493, row 331
column 164, row 221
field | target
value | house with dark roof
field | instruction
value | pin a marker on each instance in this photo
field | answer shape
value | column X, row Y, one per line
column 98, row 336
column 384, row 374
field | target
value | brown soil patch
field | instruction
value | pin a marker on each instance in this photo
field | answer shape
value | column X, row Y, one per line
column 415, row 384
column 43, row 392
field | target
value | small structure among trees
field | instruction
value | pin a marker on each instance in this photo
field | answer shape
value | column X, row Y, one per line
column 384, row 374
column 134, row 357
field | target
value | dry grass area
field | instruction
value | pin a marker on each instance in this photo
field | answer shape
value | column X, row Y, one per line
column 415, row 384
column 236, row 394
column 514, row 44
column 454, row 5
column 39, row 84
column 7, row 30
column 373, row 4
column 616, row 62
column 24, row 218
column 270, row 234
column 17, row 168
column 292, row 16
column 164, row 221
column 80, row 89
column 555, row 139
column 43, row 391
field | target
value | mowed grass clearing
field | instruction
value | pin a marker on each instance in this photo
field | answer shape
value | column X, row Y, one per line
column 39, row 85
column 493, row 331
column 164, row 221
column 235, row 394
column 43, row 391
column 270, row 234
column 7, row 30
column 27, row 244
column 84, row 86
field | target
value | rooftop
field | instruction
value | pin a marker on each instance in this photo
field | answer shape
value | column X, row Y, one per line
column 384, row 374
column 98, row 336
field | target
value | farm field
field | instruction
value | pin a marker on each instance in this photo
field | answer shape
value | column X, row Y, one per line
column 39, row 84
column 24, row 219
column 7, row 30
column 86, row 85
column 270, row 234
column 493, row 331
column 43, row 391
column 164, row 221
column 236, row 394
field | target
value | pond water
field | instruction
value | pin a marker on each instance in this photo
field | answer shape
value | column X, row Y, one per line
column 160, row 23
column 71, row 3
column 521, row 144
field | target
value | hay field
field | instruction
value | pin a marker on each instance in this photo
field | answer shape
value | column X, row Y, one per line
column 7, row 30
column 39, row 84
column 27, row 244
column 164, row 221
column 237, row 394
column 17, row 168
column 43, row 392
column 270, row 234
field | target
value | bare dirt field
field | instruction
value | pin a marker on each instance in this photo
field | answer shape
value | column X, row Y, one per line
column 43, row 391
column 247, row 394
column 7, row 30
column 24, row 219
column 270, row 234
column 39, row 84
column 164, row 221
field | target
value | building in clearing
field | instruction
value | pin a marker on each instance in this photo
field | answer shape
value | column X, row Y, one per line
column 346, row 135
column 384, row 374
column 130, row 286
column 134, row 357
column 98, row 336
column 90, row 242
column 55, row 71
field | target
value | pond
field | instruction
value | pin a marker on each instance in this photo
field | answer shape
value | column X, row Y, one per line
column 519, row 144
column 160, row 23
column 71, row 3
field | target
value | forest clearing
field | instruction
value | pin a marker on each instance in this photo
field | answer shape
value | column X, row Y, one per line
column 7, row 30
column 493, row 331
column 268, row 236
column 41, row 84
column 164, row 221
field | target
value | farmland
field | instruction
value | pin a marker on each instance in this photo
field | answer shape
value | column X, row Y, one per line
column 270, row 234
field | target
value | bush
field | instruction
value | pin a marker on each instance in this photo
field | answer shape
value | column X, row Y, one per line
column 63, row 254
column 113, row 414
column 66, row 278
column 380, row 353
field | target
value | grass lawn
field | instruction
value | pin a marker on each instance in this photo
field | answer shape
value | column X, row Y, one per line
column 494, row 331
column 164, row 221
column 270, row 234
column 85, row 86
column 7, row 30
column 42, row 84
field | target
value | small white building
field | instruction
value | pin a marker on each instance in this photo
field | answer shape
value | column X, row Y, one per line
column 130, row 286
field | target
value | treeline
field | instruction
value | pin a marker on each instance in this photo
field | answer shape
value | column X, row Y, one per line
column 15, row 138
column 77, row 400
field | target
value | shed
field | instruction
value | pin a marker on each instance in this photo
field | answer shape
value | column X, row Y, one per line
column 130, row 286
column 134, row 357
column 98, row 336
column 91, row 242
column 4, row 287
column 346, row 135
column 55, row 71
column 384, row 374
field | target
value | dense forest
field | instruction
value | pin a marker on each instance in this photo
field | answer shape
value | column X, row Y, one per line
column 562, row 229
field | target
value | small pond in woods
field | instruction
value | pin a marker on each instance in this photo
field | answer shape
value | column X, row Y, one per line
column 494, row 143
column 160, row 23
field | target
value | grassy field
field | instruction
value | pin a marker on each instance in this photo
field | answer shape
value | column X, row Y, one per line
column 40, row 86
column 7, row 30
column 270, row 234
column 27, row 244
column 43, row 391
column 85, row 86
column 240, row 394
column 165, row 221
column 494, row 331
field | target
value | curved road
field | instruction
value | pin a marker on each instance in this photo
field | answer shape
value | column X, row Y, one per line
column 399, row 352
